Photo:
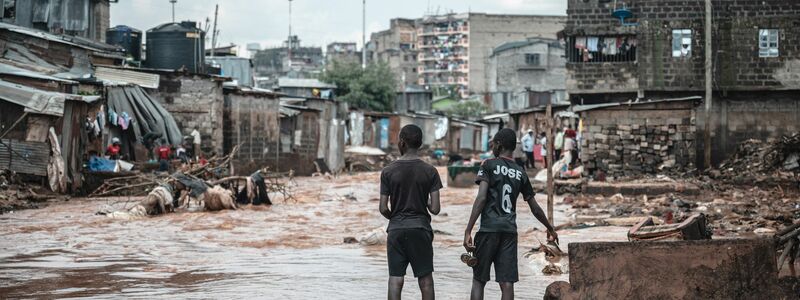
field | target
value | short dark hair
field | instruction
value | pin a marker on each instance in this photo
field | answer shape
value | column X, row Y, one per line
column 412, row 135
column 507, row 139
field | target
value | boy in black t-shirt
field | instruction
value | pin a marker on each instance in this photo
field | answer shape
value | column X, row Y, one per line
column 407, row 183
column 501, row 181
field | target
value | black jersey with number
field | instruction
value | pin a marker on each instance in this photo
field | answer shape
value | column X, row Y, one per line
column 506, row 181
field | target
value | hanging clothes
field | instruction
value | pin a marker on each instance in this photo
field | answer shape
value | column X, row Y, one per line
column 580, row 42
column 112, row 117
column 591, row 43
column 96, row 127
column 611, row 46
column 123, row 120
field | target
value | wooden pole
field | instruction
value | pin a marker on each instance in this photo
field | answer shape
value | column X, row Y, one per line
column 549, row 164
column 708, row 83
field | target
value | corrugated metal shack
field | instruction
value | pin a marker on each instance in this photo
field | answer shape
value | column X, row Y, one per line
column 83, row 18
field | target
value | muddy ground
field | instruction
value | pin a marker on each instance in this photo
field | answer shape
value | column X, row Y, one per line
column 292, row 250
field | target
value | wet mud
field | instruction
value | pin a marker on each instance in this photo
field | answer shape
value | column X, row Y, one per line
column 292, row 250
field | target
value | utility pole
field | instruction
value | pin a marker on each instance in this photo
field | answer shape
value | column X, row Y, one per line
column 707, row 131
column 214, row 32
column 549, row 163
column 289, row 40
column 173, row 9
column 363, row 34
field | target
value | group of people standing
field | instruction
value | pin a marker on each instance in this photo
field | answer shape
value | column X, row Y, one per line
column 163, row 152
column 565, row 145
column 409, row 194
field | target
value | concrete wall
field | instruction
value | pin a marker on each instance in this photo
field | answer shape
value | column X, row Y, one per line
column 489, row 31
column 740, row 116
column 509, row 74
column 414, row 101
column 706, row 269
column 639, row 139
column 194, row 101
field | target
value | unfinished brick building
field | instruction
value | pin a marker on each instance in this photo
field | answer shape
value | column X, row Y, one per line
column 657, row 53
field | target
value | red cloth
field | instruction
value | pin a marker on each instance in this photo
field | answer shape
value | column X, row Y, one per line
column 163, row 152
column 113, row 150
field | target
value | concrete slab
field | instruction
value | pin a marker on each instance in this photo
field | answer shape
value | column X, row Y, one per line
column 636, row 188
column 707, row 269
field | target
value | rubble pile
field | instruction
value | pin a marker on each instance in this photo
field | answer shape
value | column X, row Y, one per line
column 730, row 212
column 625, row 150
column 16, row 194
column 757, row 161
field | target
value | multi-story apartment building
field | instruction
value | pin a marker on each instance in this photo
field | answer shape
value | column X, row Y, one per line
column 343, row 52
column 658, row 52
column 454, row 49
column 292, row 60
column 397, row 46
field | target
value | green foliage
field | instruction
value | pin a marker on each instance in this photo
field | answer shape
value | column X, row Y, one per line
column 372, row 88
column 467, row 108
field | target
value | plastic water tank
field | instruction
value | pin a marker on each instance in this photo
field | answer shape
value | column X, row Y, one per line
column 176, row 45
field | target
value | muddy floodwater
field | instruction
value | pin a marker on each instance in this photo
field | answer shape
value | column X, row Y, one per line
column 292, row 250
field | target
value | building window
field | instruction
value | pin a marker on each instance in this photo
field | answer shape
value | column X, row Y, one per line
column 9, row 10
column 681, row 42
column 768, row 43
column 532, row 59
column 601, row 49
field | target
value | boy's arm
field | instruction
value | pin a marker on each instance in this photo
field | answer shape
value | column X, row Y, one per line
column 384, row 203
column 434, row 205
column 477, row 208
column 384, row 207
column 538, row 213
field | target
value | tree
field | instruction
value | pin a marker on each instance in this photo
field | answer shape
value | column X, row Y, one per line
column 467, row 108
column 371, row 88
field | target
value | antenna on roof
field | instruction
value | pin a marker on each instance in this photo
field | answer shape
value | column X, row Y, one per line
column 173, row 9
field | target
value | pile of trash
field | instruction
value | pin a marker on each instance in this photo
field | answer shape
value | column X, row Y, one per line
column 16, row 194
column 364, row 158
column 754, row 159
column 730, row 212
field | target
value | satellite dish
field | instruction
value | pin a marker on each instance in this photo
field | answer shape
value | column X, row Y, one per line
column 622, row 14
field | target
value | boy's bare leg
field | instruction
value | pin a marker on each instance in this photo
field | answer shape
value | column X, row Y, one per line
column 395, row 287
column 477, row 290
column 507, row 290
column 426, row 287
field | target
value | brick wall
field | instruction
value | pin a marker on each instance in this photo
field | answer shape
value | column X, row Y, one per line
column 194, row 101
column 737, row 65
column 633, row 140
column 251, row 121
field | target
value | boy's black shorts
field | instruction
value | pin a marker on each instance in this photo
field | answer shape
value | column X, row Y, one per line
column 414, row 246
column 499, row 248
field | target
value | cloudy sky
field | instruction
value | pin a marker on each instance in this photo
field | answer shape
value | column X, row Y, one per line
column 317, row 22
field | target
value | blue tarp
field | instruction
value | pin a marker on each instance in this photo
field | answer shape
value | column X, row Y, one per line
column 99, row 164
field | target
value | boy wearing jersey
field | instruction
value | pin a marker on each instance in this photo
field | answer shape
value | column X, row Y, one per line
column 501, row 181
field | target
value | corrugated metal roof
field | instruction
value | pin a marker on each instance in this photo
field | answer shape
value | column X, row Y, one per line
column 37, row 101
column 582, row 108
column 238, row 68
column 122, row 77
column 16, row 71
column 304, row 83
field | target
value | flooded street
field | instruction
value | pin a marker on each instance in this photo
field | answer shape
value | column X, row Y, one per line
column 292, row 250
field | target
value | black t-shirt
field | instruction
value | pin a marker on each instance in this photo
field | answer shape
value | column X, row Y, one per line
column 506, row 181
column 408, row 183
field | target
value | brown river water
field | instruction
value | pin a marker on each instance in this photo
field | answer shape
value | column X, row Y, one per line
column 292, row 250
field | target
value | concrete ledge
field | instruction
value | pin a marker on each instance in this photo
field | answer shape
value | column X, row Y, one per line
column 707, row 269
column 650, row 188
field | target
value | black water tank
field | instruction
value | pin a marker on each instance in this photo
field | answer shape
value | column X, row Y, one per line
column 176, row 45
column 128, row 38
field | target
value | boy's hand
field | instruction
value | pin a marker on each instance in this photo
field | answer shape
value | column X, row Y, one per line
column 468, row 244
column 552, row 236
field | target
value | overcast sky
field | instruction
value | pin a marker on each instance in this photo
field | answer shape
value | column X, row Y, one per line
column 316, row 22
